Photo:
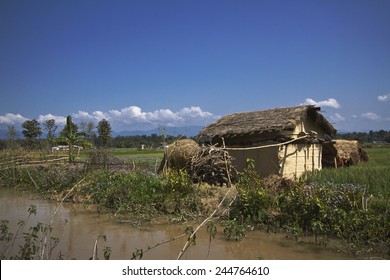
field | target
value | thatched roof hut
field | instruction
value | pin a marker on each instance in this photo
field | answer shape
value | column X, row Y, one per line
column 282, row 141
column 265, row 123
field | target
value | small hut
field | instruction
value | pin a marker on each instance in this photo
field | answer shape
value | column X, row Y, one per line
column 282, row 141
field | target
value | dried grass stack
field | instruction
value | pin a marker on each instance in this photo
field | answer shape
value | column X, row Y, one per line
column 349, row 152
column 178, row 155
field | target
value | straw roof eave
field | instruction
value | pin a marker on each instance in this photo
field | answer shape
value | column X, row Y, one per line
column 273, row 120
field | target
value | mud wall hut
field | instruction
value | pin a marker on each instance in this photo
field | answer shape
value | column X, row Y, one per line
column 281, row 141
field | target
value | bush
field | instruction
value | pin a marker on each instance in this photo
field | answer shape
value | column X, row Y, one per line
column 141, row 194
column 343, row 212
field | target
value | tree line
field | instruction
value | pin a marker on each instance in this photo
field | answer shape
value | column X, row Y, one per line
column 71, row 134
column 87, row 134
column 380, row 136
column 84, row 134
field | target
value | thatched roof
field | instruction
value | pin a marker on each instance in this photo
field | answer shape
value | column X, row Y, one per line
column 273, row 120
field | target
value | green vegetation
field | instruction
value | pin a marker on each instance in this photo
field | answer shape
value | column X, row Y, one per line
column 348, row 207
column 120, row 189
column 141, row 195
column 71, row 137
column 126, row 153
column 104, row 132
column 373, row 176
column 37, row 240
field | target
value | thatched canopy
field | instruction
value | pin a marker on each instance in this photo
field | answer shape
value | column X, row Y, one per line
column 273, row 120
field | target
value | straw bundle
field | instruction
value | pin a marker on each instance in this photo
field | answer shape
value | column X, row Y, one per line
column 179, row 154
column 349, row 152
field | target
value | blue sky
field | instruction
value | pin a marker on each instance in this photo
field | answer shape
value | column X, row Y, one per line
column 143, row 63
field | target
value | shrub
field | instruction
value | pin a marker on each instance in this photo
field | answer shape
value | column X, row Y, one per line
column 343, row 212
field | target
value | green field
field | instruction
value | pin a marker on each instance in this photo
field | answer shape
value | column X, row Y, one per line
column 125, row 153
column 374, row 174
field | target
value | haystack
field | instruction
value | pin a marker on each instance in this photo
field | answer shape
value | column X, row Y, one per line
column 343, row 153
column 350, row 152
column 179, row 154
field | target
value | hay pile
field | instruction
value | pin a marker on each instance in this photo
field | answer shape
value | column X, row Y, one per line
column 179, row 154
column 349, row 152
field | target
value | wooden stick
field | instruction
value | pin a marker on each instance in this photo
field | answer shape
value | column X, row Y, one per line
column 182, row 251
column 55, row 213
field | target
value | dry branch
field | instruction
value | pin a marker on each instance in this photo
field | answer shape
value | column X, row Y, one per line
column 213, row 166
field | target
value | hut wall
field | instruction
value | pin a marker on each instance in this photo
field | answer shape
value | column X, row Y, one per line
column 307, row 125
column 295, row 159
column 266, row 160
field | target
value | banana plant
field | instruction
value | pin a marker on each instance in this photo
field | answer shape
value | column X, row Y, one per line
column 72, row 138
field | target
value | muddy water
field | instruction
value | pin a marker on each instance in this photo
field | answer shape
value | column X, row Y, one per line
column 78, row 227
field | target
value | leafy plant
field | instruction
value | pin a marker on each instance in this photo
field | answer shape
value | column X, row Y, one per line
column 37, row 240
column 234, row 230
column 71, row 137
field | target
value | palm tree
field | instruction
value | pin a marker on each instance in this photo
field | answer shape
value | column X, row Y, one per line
column 72, row 138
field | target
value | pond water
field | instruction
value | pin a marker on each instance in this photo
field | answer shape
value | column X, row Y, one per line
column 78, row 227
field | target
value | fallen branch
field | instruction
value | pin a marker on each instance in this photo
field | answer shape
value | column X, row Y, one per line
column 186, row 246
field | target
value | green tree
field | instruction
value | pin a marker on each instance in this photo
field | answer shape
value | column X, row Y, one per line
column 31, row 130
column 104, row 132
column 69, row 126
column 12, row 136
column 71, row 137
column 50, row 127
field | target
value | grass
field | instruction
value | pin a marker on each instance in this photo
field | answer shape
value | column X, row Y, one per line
column 374, row 175
column 129, row 153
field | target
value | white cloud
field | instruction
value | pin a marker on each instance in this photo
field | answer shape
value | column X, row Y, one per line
column 82, row 115
column 331, row 102
column 99, row 115
column 194, row 112
column 371, row 116
column 57, row 119
column 128, row 118
column 12, row 119
column 384, row 98
column 133, row 117
column 337, row 118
